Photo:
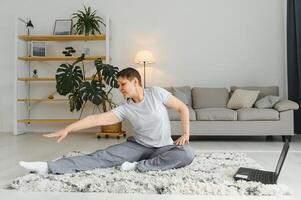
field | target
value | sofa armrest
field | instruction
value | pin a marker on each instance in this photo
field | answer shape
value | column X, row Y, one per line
column 286, row 105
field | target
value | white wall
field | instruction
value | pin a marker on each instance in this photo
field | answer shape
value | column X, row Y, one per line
column 213, row 43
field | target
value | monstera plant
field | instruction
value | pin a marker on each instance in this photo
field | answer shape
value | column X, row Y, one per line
column 71, row 82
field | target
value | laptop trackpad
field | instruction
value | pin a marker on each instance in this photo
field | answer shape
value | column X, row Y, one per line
column 242, row 176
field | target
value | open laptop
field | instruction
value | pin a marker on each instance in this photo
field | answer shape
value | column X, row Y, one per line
column 265, row 177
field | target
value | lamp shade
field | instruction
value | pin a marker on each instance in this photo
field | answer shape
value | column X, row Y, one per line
column 29, row 25
column 144, row 56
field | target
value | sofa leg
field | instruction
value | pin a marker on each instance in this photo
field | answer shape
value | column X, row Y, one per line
column 269, row 138
column 286, row 138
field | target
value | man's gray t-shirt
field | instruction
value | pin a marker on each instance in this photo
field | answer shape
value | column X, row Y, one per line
column 149, row 117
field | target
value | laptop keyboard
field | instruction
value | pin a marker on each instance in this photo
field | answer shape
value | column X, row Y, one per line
column 262, row 176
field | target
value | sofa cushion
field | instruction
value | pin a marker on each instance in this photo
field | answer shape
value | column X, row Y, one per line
column 267, row 102
column 223, row 114
column 179, row 91
column 175, row 116
column 209, row 97
column 242, row 99
column 263, row 91
column 256, row 114
column 181, row 96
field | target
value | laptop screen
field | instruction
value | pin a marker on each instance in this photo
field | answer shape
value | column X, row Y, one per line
column 282, row 158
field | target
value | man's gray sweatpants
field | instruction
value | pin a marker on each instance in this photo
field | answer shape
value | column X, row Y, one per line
column 148, row 158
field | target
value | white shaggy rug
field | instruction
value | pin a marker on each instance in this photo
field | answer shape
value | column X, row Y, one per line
column 209, row 174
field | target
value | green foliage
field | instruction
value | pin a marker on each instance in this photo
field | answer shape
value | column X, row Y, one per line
column 68, row 77
column 108, row 72
column 71, row 82
column 87, row 22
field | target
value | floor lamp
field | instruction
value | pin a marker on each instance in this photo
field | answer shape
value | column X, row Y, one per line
column 144, row 57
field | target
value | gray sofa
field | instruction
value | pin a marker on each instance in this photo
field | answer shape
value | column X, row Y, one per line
column 210, row 116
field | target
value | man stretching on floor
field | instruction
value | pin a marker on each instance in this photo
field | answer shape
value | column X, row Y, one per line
column 150, row 147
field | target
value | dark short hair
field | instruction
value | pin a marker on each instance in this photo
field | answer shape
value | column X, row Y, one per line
column 129, row 73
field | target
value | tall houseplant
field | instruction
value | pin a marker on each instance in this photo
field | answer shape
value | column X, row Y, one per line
column 71, row 81
column 87, row 22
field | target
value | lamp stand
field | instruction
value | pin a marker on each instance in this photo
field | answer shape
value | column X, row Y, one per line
column 144, row 75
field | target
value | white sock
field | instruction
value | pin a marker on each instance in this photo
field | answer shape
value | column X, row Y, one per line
column 127, row 166
column 39, row 167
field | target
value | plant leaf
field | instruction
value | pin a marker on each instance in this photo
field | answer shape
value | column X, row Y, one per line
column 75, row 101
column 68, row 77
column 93, row 91
column 108, row 72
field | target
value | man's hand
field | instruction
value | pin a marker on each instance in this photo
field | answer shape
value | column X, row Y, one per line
column 61, row 134
column 182, row 140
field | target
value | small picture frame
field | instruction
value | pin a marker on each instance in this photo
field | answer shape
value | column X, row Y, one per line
column 38, row 48
column 63, row 27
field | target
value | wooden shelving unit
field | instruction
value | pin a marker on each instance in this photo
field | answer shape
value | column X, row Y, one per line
column 24, row 63
column 42, row 100
column 58, row 58
column 36, row 79
column 47, row 120
column 42, row 78
column 62, row 37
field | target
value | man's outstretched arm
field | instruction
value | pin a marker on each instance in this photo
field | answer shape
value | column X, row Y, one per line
column 106, row 118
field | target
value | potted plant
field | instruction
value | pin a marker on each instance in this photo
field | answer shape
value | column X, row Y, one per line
column 71, row 81
column 87, row 22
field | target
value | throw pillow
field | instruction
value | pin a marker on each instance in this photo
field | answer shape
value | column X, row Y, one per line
column 284, row 105
column 242, row 99
column 267, row 102
column 180, row 95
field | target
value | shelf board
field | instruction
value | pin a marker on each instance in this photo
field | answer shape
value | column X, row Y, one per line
column 61, row 37
column 43, row 78
column 58, row 58
column 36, row 79
column 42, row 100
column 47, row 120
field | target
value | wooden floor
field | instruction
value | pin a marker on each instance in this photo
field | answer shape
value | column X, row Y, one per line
column 34, row 147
